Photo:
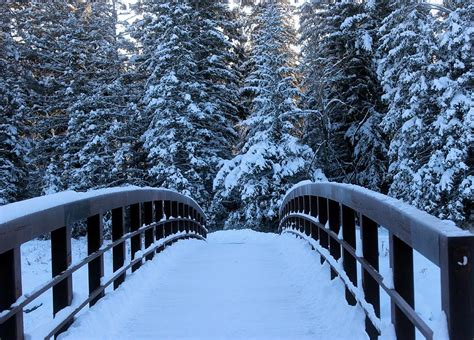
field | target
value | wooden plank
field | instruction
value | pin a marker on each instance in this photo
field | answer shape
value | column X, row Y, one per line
column 323, row 217
column 60, row 261
column 401, row 261
column 370, row 251
column 159, row 232
column 457, row 285
column 95, row 238
column 167, row 211
column 136, row 241
column 334, row 220
column 10, row 291
column 349, row 262
column 118, row 251
column 149, row 234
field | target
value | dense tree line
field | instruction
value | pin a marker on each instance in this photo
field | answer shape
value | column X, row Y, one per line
column 233, row 106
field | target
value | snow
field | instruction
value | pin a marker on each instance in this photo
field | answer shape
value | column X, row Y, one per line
column 240, row 284
column 16, row 210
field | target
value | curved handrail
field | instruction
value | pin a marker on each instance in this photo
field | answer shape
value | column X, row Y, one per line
column 161, row 216
column 326, row 214
column 38, row 216
column 417, row 228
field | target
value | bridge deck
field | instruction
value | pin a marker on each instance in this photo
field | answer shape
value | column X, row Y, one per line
column 240, row 284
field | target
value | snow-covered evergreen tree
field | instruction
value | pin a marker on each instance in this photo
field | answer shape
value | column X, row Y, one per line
column 407, row 49
column 56, row 73
column 271, row 159
column 13, row 161
column 342, row 92
column 99, row 116
column 190, row 94
column 444, row 183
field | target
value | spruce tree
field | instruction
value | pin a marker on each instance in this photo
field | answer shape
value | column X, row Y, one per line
column 342, row 92
column 445, row 183
column 407, row 49
column 99, row 117
column 13, row 144
column 190, row 93
column 271, row 159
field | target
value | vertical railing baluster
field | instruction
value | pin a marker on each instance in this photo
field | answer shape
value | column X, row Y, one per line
column 174, row 213
column 334, row 225
column 187, row 227
column 314, row 213
column 10, row 291
column 370, row 251
column 181, row 215
column 301, row 204
column 401, row 261
column 135, row 241
column 323, row 218
column 349, row 262
column 60, row 261
column 307, row 224
column 118, row 252
column 149, row 233
column 160, row 231
column 95, row 237
column 167, row 212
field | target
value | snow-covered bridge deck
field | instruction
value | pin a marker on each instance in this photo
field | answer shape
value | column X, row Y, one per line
column 238, row 284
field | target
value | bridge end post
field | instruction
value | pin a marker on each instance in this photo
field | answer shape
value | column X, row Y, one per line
column 10, row 291
column 457, row 285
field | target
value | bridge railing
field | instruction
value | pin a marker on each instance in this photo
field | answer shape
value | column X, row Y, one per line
column 149, row 218
column 326, row 214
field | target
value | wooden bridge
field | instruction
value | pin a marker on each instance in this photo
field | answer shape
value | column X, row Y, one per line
column 330, row 217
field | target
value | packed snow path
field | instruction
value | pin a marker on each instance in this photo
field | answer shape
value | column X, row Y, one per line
column 239, row 285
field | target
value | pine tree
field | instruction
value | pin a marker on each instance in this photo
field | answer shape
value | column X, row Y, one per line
column 407, row 49
column 190, row 94
column 56, row 73
column 99, row 116
column 342, row 92
column 271, row 160
column 13, row 160
column 445, row 183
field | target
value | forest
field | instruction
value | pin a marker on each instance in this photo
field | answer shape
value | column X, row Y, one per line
column 234, row 104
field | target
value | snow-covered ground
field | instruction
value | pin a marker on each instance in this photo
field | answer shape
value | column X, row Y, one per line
column 240, row 284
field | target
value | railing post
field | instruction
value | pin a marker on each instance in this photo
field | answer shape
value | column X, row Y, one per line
column 174, row 213
column 349, row 262
column 118, row 252
column 334, row 225
column 323, row 217
column 180, row 215
column 10, row 291
column 457, row 285
column 187, row 227
column 401, row 261
column 167, row 212
column 159, row 232
column 314, row 213
column 136, row 241
column 149, row 233
column 370, row 251
column 60, row 261
column 96, row 266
